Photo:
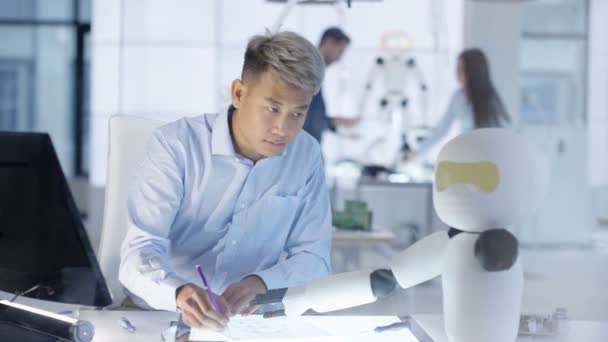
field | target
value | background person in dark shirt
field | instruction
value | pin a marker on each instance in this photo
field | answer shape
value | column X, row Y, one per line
column 332, row 45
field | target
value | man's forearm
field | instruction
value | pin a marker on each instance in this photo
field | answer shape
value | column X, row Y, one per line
column 298, row 269
column 147, row 273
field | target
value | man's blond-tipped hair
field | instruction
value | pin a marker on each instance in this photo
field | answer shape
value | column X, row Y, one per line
column 290, row 55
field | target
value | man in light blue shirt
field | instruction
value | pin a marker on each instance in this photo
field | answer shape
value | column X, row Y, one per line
column 231, row 192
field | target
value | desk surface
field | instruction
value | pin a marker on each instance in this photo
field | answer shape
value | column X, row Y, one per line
column 151, row 323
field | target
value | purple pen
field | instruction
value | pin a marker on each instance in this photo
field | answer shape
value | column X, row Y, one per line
column 211, row 295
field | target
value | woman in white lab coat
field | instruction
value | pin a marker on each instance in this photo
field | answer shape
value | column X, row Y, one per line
column 475, row 105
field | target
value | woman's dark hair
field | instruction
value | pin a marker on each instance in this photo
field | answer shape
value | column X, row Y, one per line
column 488, row 109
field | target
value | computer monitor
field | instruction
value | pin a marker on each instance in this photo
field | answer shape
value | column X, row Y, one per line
column 42, row 238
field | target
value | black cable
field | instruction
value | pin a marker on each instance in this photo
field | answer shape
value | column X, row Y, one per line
column 49, row 290
column 22, row 293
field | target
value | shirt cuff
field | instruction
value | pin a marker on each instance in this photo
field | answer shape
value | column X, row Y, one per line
column 167, row 301
column 273, row 277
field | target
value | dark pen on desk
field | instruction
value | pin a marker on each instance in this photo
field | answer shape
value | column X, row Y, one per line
column 392, row 327
column 127, row 325
column 209, row 292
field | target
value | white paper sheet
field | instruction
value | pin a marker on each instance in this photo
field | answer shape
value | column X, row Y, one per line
column 334, row 328
column 256, row 327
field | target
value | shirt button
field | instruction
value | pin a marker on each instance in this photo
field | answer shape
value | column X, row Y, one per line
column 233, row 242
column 242, row 205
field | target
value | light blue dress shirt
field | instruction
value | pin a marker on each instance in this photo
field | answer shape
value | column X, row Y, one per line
column 194, row 200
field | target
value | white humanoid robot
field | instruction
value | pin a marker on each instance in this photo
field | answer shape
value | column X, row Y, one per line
column 486, row 180
column 397, row 69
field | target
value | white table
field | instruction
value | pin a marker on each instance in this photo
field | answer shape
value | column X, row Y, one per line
column 151, row 323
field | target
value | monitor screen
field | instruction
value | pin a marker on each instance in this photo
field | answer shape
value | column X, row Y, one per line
column 43, row 242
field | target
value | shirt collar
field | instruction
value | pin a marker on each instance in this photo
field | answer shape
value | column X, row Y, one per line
column 221, row 138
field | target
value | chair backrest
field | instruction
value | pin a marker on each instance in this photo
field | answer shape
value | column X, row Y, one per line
column 128, row 138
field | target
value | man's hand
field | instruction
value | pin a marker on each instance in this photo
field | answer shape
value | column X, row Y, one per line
column 197, row 308
column 239, row 295
column 346, row 122
column 410, row 157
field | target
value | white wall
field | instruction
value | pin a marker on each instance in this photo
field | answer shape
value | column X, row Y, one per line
column 150, row 58
column 597, row 99
column 597, row 104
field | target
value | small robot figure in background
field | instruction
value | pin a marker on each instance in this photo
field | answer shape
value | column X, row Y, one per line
column 487, row 180
column 397, row 69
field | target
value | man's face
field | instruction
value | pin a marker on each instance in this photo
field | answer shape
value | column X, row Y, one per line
column 333, row 50
column 269, row 114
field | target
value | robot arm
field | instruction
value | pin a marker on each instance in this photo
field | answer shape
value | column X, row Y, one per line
column 422, row 261
column 419, row 76
column 419, row 263
column 373, row 73
column 338, row 292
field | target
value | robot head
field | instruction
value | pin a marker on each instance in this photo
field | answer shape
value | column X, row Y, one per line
column 395, row 42
column 489, row 178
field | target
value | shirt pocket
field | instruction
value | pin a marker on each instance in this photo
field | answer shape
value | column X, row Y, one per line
column 275, row 221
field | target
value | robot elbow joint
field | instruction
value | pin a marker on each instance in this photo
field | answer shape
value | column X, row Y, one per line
column 496, row 250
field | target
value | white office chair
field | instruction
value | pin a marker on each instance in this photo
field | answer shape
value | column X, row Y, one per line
column 128, row 138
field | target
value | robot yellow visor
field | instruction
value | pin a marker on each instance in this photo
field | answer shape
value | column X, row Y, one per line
column 483, row 175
